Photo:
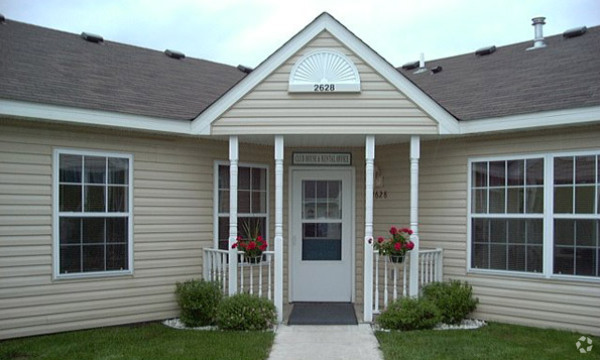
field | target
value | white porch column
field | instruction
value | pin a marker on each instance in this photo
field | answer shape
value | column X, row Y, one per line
column 233, row 218
column 368, row 245
column 415, row 154
column 278, row 295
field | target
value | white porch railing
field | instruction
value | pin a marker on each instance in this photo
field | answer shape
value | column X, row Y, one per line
column 255, row 279
column 391, row 280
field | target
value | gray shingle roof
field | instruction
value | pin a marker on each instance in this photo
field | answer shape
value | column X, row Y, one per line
column 565, row 74
column 53, row 67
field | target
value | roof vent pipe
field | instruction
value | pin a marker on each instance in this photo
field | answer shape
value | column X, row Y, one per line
column 422, row 67
column 538, row 40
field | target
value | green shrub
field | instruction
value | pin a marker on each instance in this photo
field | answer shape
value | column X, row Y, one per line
column 409, row 314
column 198, row 300
column 454, row 299
column 246, row 312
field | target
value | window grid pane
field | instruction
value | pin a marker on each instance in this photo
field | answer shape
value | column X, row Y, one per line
column 99, row 241
column 252, row 201
column 513, row 242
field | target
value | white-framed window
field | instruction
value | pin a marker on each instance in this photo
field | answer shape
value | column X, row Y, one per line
column 536, row 214
column 253, row 200
column 92, row 213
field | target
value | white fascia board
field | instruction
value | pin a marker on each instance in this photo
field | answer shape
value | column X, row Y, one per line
column 534, row 120
column 447, row 123
column 92, row 117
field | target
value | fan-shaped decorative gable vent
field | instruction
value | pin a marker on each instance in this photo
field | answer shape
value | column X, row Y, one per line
column 324, row 71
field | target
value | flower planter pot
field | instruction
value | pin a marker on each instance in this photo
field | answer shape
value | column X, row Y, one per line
column 253, row 259
column 396, row 259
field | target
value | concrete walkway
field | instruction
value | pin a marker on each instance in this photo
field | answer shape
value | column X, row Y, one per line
column 343, row 342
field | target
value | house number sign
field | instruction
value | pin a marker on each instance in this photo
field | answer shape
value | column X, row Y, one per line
column 310, row 158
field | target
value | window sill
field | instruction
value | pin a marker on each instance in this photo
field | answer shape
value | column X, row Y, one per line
column 538, row 276
column 93, row 275
column 506, row 273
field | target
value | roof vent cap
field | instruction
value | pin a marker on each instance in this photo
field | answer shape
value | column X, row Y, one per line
column 411, row 65
column 538, row 40
column 485, row 51
column 571, row 33
column 174, row 54
column 244, row 69
column 92, row 37
column 422, row 67
column 436, row 69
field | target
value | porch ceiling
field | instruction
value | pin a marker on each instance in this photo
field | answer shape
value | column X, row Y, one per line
column 322, row 140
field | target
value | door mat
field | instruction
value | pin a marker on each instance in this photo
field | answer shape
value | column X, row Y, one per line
column 322, row 313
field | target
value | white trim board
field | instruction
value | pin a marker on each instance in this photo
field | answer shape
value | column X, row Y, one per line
column 544, row 119
column 69, row 114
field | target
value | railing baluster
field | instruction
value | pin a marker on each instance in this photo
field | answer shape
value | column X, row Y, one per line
column 385, row 283
column 251, row 271
column 260, row 284
column 269, row 294
column 242, row 274
column 376, row 302
column 404, row 276
column 395, row 271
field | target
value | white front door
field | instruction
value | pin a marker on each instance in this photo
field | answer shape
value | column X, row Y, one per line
column 321, row 225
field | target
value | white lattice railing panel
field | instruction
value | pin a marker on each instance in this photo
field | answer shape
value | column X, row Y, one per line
column 391, row 280
column 253, row 278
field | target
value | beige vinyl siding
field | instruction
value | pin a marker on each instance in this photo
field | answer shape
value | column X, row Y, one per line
column 172, row 214
column 568, row 304
column 270, row 109
column 443, row 195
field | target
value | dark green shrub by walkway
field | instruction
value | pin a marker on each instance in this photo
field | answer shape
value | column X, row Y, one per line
column 246, row 312
column 198, row 300
column 454, row 299
column 409, row 314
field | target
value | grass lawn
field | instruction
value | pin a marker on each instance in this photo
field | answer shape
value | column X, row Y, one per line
column 148, row 341
column 495, row 341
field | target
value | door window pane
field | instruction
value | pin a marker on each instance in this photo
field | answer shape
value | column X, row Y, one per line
column 321, row 241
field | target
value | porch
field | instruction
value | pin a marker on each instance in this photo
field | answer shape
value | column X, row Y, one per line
column 378, row 281
column 390, row 280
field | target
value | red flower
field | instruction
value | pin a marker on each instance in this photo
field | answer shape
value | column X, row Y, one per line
column 380, row 239
column 263, row 247
column 234, row 245
column 259, row 238
column 239, row 238
column 393, row 230
column 398, row 246
column 251, row 245
column 410, row 245
column 242, row 245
